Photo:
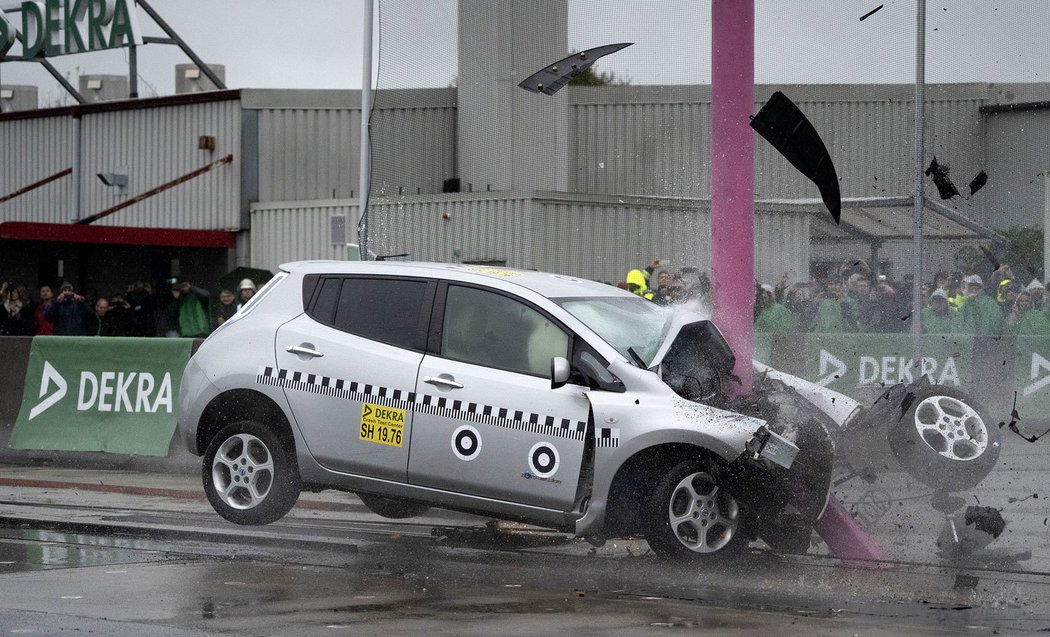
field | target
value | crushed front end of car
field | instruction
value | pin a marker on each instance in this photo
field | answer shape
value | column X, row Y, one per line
column 783, row 477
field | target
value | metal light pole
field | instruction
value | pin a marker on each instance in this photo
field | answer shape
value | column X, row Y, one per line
column 920, row 160
column 1046, row 225
column 366, row 141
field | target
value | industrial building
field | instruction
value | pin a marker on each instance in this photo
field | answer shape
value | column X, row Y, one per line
column 602, row 180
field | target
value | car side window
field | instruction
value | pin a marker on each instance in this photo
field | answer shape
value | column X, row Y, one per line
column 485, row 328
column 323, row 308
column 386, row 310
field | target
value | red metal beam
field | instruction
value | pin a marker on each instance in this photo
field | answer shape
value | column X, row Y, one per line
column 116, row 235
column 36, row 184
column 159, row 189
column 125, row 105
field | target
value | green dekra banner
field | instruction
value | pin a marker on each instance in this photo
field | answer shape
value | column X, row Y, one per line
column 101, row 394
column 1031, row 376
column 848, row 363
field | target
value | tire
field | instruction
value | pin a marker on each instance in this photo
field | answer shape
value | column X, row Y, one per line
column 250, row 475
column 393, row 508
column 691, row 516
column 944, row 439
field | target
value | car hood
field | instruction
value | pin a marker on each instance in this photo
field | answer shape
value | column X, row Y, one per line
column 701, row 341
column 688, row 336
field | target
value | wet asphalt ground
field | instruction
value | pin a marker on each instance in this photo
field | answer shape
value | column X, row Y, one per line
column 121, row 553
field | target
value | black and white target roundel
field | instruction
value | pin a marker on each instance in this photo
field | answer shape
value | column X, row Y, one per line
column 543, row 460
column 466, row 443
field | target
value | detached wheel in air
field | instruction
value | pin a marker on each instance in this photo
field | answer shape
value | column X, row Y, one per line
column 250, row 477
column 692, row 516
column 393, row 508
column 944, row 439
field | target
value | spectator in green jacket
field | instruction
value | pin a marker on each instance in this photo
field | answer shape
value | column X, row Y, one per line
column 1025, row 320
column 939, row 317
column 773, row 317
column 831, row 315
column 980, row 314
column 857, row 303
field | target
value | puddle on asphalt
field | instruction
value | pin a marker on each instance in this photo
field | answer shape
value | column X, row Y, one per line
column 35, row 550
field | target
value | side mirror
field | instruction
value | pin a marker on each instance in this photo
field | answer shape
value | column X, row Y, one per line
column 559, row 372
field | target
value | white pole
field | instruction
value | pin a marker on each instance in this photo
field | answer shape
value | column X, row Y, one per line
column 366, row 141
column 920, row 159
column 1046, row 226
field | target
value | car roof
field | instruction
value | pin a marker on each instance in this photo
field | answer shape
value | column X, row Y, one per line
column 544, row 283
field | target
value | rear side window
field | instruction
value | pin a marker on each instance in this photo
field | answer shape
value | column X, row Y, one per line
column 327, row 298
column 386, row 310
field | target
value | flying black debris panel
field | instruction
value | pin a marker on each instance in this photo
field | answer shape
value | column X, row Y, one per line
column 552, row 77
column 939, row 173
column 784, row 126
column 978, row 182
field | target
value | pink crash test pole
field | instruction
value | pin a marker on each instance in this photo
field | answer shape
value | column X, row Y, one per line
column 733, row 229
column 733, row 178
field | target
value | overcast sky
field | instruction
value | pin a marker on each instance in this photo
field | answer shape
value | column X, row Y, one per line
column 267, row 44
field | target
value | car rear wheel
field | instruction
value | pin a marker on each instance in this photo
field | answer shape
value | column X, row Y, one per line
column 250, row 477
column 393, row 508
column 691, row 515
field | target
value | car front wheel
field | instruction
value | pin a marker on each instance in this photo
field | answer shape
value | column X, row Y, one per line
column 250, row 477
column 691, row 515
column 944, row 439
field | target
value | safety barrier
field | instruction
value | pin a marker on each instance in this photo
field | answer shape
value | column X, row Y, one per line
column 991, row 369
column 118, row 395
column 96, row 397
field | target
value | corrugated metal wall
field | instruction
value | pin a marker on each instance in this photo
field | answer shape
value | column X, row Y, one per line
column 30, row 150
column 292, row 231
column 598, row 238
column 309, row 149
column 1018, row 163
column 654, row 140
column 308, row 153
column 158, row 145
column 478, row 228
column 602, row 238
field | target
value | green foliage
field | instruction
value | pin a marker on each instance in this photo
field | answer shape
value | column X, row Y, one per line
column 590, row 77
column 1023, row 252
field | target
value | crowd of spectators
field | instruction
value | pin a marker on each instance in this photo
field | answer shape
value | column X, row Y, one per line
column 176, row 309
column 854, row 299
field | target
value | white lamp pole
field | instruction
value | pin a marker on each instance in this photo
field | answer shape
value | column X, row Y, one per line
column 920, row 160
column 366, row 141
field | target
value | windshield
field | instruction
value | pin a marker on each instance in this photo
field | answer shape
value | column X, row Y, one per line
column 623, row 322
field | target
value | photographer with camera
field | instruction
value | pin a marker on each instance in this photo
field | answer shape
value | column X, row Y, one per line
column 69, row 314
column 185, row 312
column 114, row 316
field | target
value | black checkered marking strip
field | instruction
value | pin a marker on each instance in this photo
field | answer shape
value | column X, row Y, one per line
column 607, row 437
column 336, row 388
column 425, row 403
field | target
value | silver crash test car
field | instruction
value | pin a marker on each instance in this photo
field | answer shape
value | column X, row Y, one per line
column 521, row 395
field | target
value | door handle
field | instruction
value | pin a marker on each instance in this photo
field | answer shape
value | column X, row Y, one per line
column 442, row 382
column 299, row 349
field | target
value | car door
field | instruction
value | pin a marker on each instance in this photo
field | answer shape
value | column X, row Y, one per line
column 348, row 367
column 487, row 421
